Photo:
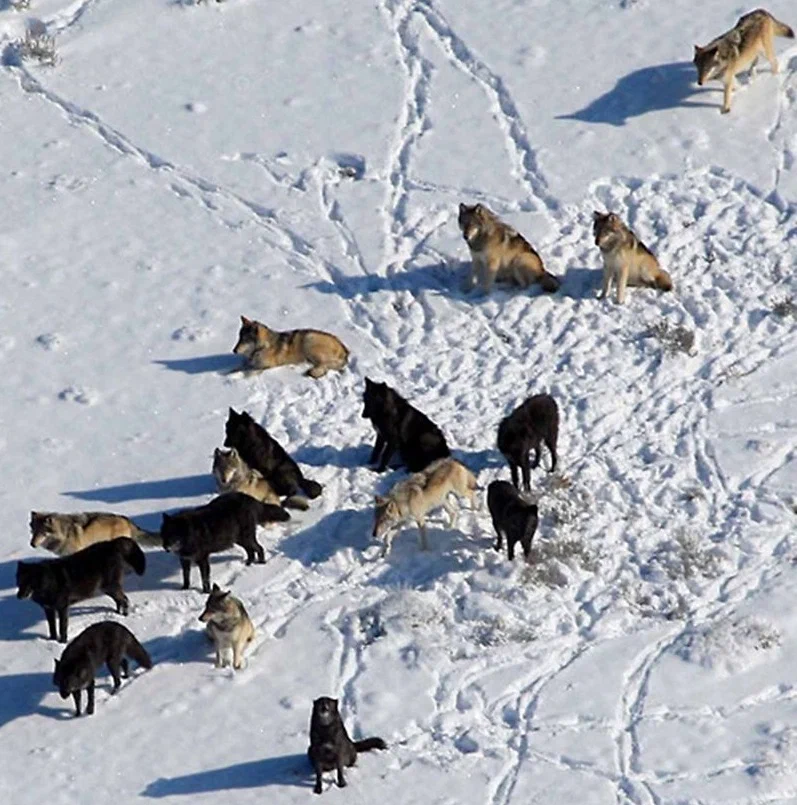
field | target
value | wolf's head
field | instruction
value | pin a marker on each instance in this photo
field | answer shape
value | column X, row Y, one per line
column 232, row 428
column 42, row 528
column 473, row 220
column 373, row 398
column 605, row 228
column 227, row 464
column 707, row 62
column 175, row 533
column 386, row 515
column 28, row 576
column 72, row 677
column 325, row 710
column 252, row 335
column 218, row 603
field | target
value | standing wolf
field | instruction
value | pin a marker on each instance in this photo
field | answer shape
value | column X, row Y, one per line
column 264, row 348
column 626, row 260
column 64, row 534
column 498, row 252
column 228, row 626
column 108, row 642
column 738, row 49
column 512, row 516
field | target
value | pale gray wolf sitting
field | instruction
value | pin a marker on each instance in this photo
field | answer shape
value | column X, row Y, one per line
column 233, row 474
column 738, row 49
column 417, row 495
column 498, row 252
column 65, row 534
column 228, row 626
column 626, row 260
column 264, row 348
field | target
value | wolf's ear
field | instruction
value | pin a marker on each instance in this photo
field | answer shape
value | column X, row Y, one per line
column 462, row 208
column 478, row 208
column 597, row 216
column 217, row 452
column 215, row 588
column 166, row 517
column 698, row 50
column 246, row 322
column 369, row 382
column 380, row 500
column 57, row 663
column 233, row 453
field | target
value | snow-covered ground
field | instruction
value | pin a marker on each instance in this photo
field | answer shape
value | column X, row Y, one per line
column 301, row 163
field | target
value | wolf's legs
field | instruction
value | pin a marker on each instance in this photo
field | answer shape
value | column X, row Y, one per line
column 607, row 283
column 63, row 624
column 769, row 50
column 186, row 566
column 204, row 572
column 726, row 98
column 319, row 370
column 90, row 705
column 622, row 282
column 50, row 613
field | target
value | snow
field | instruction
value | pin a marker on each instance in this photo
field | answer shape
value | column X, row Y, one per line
column 302, row 163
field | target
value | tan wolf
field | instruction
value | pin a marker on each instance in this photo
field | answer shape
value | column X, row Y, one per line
column 626, row 260
column 498, row 252
column 738, row 49
column 417, row 495
column 65, row 534
column 264, row 348
column 233, row 474
column 228, row 626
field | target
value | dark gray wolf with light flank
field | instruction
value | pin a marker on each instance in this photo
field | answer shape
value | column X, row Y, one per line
column 56, row 584
column 108, row 642
column 513, row 517
column 64, row 534
column 533, row 422
column 737, row 49
column 330, row 745
column 228, row 626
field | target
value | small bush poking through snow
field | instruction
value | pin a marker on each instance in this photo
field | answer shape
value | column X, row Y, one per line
column 549, row 558
column 684, row 558
column 674, row 338
column 36, row 45
column 785, row 307
column 18, row 5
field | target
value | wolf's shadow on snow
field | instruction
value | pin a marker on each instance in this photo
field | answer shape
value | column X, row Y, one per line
column 650, row 89
column 219, row 364
column 186, row 486
column 22, row 695
column 354, row 455
column 282, row 770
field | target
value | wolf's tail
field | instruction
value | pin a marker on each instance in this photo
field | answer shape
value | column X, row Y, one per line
column 138, row 653
column 549, row 282
column 663, row 281
column 149, row 538
column 781, row 29
column 269, row 513
column 531, row 525
column 369, row 743
column 296, row 502
column 133, row 555
column 311, row 488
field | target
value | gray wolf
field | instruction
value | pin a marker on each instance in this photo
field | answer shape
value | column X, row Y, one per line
column 737, row 49
column 64, row 534
column 264, row 453
column 55, row 584
column 626, row 260
column 233, row 474
column 264, row 348
column 230, row 519
column 415, row 496
column 400, row 426
column 512, row 516
column 330, row 746
column 108, row 642
column 498, row 252
column 228, row 626
column 531, row 423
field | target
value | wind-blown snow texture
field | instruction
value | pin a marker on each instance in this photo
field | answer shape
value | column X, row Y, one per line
column 301, row 163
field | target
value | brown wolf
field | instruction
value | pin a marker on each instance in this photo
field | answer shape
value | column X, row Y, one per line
column 228, row 626
column 738, row 49
column 626, row 260
column 64, row 534
column 264, row 348
column 498, row 252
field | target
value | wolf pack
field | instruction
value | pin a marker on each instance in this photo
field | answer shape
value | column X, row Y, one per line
column 258, row 482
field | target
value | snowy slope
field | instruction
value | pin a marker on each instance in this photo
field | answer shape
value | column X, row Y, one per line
column 302, row 164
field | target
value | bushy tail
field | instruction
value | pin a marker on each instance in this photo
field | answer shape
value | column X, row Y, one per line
column 663, row 281
column 148, row 538
column 132, row 554
column 549, row 282
column 369, row 743
column 138, row 653
column 296, row 502
column 269, row 513
column 311, row 488
column 781, row 29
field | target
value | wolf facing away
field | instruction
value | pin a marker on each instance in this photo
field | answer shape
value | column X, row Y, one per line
column 63, row 534
column 230, row 519
column 228, row 626
column 264, row 348
column 55, row 584
column 415, row 496
column 330, row 746
column 512, row 516
column 233, row 474
column 400, row 426
column 626, row 260
column 737, row 49
column 108, row 642
column 262, row 452
column 531, row 423
column 498, row 252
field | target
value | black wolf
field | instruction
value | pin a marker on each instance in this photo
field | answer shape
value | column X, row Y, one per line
column 533, row 422
column 330, row 745
column 513, row 517
column 400, row 427
column 54, row 584
column 264, row 453
column 230, row 519
column 108, row 642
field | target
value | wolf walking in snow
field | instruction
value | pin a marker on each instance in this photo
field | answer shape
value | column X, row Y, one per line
column 513, row 517
column 64, row 534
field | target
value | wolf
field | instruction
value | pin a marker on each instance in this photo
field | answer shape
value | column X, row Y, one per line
column 530, row 424
column 108, row 642
column 498, row 252
column 512, row 517
column 264, row 348
column 626, row 260
column 233, row 474
column 415, row 496
column 400, row 426
column 737, row 49
column 264, row 453
column 228, row 626
column 55, row 584
column 64, row 534
column 230, row 519
column 330, row 746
